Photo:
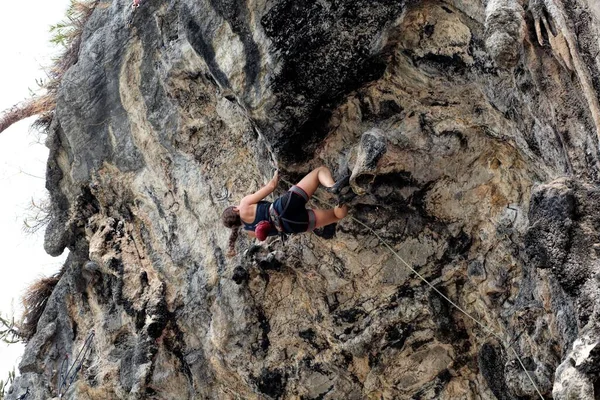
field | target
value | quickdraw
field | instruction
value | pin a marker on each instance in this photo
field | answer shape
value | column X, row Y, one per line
column 68, row 374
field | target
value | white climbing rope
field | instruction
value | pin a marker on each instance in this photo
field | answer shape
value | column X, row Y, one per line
column 422, row 278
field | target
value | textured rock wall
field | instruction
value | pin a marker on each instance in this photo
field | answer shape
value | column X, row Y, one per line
column 488, row 113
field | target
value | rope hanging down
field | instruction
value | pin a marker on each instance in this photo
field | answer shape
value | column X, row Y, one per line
column 422, row 278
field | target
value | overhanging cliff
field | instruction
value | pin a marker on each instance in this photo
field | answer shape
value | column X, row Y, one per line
column 488, row 187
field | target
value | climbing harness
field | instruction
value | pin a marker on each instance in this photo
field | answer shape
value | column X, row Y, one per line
column 275, row 219
column 67, row 375
column 505, row 344
column 278, row 218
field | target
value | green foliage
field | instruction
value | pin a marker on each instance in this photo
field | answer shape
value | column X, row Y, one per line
column 66, row 34
column 9, row 334
column 61, row 34
column 9, row 331
column 69, row 29
column 4, row 385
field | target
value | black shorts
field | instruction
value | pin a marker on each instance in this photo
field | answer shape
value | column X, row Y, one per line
column 294, row 215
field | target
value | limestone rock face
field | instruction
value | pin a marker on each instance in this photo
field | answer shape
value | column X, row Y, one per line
column 471, row 132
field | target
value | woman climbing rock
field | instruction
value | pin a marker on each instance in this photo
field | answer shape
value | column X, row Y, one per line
column 288, row 213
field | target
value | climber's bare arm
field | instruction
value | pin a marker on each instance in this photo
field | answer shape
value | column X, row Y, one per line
column 251, row 234
column 261, row 193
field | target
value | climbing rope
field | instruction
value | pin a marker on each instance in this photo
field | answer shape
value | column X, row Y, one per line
column 66, row 376
column 426, row 281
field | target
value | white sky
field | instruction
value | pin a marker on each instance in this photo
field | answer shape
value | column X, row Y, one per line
column 24, row 50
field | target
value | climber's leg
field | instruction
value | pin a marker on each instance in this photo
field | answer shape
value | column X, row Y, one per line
column 310, row 182
column 326, row 217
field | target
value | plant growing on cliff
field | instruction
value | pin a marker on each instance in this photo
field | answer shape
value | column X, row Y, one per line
column 67, row 34
column 34, row 302
column 6, row 384
column 9, row 331
column 38, row 216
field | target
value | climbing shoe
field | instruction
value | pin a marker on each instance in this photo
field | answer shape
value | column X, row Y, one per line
column 339, row 185
column 326, row 232
column 345, row 196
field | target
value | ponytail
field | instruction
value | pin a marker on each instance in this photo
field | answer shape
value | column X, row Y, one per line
column 235, row 232
column 231, row 219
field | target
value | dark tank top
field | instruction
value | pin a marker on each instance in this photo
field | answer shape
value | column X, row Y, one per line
column 262, row 214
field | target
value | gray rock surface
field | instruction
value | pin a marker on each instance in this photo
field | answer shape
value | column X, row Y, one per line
column 478, row 163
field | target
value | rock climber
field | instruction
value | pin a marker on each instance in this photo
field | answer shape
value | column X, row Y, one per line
column 288, row 213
